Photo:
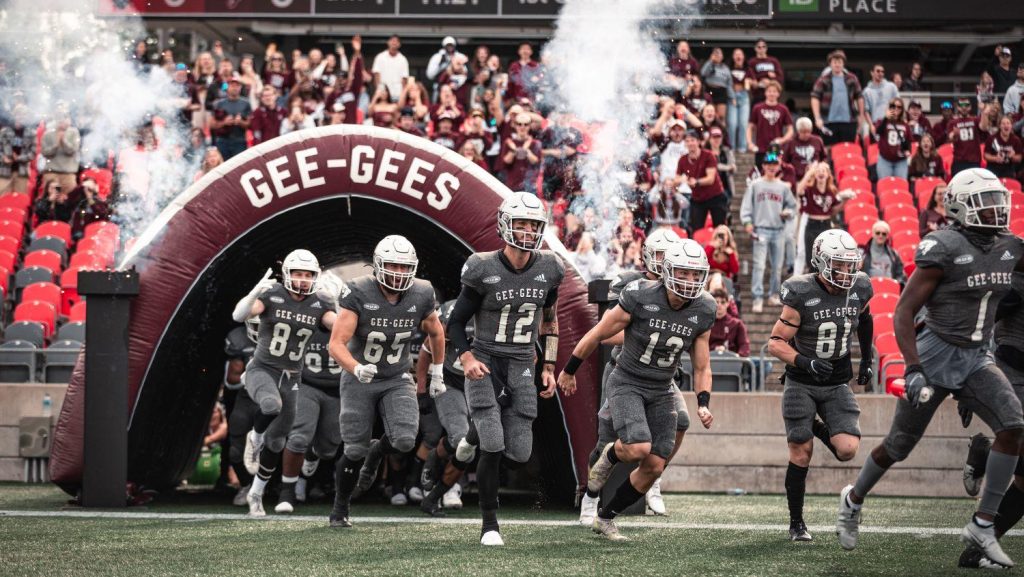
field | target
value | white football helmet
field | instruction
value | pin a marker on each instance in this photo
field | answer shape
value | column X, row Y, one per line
column 395, row 249
column 836, row 247
column 300, row 259
column 252, row 329
column 685, row 255
column 976, row 198
column 522, row 206
column 655, row 246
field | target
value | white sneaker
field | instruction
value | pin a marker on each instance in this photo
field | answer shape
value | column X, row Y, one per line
column 848, row 525
column 775, row 301
column 607, row 529
column 758, row 306
column 415, row 494
column 309, row 467
column 300, row 490
column 399, row 499
column 452, row 498
column 241, row 497
column 984, row 538
column 465, row 452
column 255, row 501
column 492, row 538
column 588, row 510
column 655, row 504
column 284, row 507
column 251, row 456
column 601, row 470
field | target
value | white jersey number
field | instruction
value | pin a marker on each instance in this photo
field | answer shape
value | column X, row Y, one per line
column 673, row 342
column 279, row 341
column 827, row 340
column 375, row 342
column 523, row 321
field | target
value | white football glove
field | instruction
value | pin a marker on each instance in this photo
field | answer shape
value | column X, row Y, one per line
column 266, row 283
column 365, row 373
column 437, row 387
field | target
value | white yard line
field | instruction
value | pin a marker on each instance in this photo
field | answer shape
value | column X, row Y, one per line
column 625, row 522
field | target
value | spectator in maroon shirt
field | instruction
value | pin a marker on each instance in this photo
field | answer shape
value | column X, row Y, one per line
column 277, row 74
column 967, row 133
column 682, row 66
column 456, row 75
column 819, row 201
column 407, row 122
column 917, row 122
column 893, row 136
column 336, row 114
column 349, row 87
column 728, row 333
column 805, row 149
column 696, row 97
column 524, row 75
column 520, row 156
column 722, row 252
column 267, row 119
column 698, row 168
column 475, row 130
column 770, row 122
column 763, row 69
column 444, row 133
column 1003, row 150
column 448, row 104
column 926, row 161
column 933, row 217
column 940, row 130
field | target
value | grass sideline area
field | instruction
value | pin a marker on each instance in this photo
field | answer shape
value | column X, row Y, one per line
column 193, row 533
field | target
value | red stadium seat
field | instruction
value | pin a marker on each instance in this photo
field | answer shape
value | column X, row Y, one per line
column 923, row 188
column 1012, row 184
column 872, row 154
column 895, row 197
column 13, row 213
column 37, row 311
column 59, row 229
column 896, row 210
column 703, row 236
column 855, row 183
column 891, row 367
column 860, row 229
column 886, row 342
column 10, row 244
column 1017, row 226
column 846, row 148
column 904, row 238
column 44, row 258
column 857, row 209
column 882, row 285
column 884, row 303
column 69, row 290
column 77, row 314
column 16, row 200
column 891, row 183
column 87, row 260
column 43, row 292
column 8, row 260
column 102, row 227
column 903, row 223
column 883, row 323
column 12, row 228
column 848, row 170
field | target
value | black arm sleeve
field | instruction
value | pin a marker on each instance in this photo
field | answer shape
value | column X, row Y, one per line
column 865, row 333
column 552, row 298
column 465, row 307
column 1009, row 305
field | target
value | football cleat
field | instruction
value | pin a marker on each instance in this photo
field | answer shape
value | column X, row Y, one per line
column 340, row 521
column 255, row 501
column 492, row 539
column 286, row 502
column 309, row 467
column 798, row 531
column 251, row 456
column 588, row 510
column 452, row 498
column 607, row 529
column 464, row 451
column 415, row 494
column 655, row 504
column 431, row 507
column 974, row 467
column 399, row 499
column 848, row 525
column 241, row 497
column 973, row 558
column 601, row 470
column 984, row 538
column 300, row 490
column 368, row 474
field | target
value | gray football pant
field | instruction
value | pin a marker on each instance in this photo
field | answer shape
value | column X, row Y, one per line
column 453, row 412
column 317, row 416
column 273, row 391
column 393, row 399
column 507, row 427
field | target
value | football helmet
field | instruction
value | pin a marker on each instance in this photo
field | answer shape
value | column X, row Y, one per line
column 522, row 206
column 395, row 249
column 976, row 198
column 300, row 259
column 685, row 255
column 834, row 247
column 252, row 329
column 655, row 246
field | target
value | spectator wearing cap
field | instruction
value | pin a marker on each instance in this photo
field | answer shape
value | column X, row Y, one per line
column 524, row 75
column 763, row 69
column 672, row 149
column 917, row 122
column 767, row 205
column 441, row 60
column 559, row 143
column 183, row 89
column 893, row 136
column 520, row 156
column 1003, row 74
column 61, row 143
column 219, row 87
column 880, row 258
column 770, row 122
column 926, row 161
column 967, row 133
column 407, row 122
column 445, row 134
column 336, row 114
column 1011, row 102
column 836, row 101
column 940, row 130
column 391, row 68
column 877, row 95
column 698, row 169
column 728, row 333
column 913, row 82
column 17, row 151
column 1003, row 150
column 266, row 120
column 231, row 118
column 805, row 149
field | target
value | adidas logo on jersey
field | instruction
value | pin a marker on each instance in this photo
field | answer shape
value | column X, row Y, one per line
column 412, row 309
column 527, row 373
column 277, row 300
column 316, row 305
column 854, row 297
column 295, row 387
column 1007, row 256
column 693, row 319
column 540, row 278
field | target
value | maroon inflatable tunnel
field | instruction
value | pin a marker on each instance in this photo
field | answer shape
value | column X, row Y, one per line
column 334, row 190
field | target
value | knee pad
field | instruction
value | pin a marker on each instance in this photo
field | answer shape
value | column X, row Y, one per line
column 354, row 452
column 297, row 443
column 403, row 444
column 270, row 405
column 275, row 445
column 800, row 435
column 682, row 422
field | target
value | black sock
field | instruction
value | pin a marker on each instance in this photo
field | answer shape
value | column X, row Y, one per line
column 415, row 471
column 262, row 422
column 397, row 475
column 796, row 486
column 473, row 438
column 592, row 494
column 385, row 446
column 243, row 474
column 440, row 488
column 613, row 457
column 268, row 463
column 346, row 473
column 1011, row 509
column 625, row 496
column 487, row 486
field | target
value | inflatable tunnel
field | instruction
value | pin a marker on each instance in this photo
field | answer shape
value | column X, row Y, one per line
column 335, row 190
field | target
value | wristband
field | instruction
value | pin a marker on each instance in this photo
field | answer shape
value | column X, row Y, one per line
column 914, row 369
column 703, row 398
column 550, row 348
column 573, row 365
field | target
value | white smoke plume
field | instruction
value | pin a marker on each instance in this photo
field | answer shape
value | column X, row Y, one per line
column 59, row 54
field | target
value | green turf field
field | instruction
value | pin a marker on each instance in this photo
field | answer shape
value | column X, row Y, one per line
column 191, row 533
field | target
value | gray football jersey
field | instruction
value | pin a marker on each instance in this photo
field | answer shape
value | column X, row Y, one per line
column 508, row 322
column 286, row 325
column 321, row 370
column 451, row 358
column 657, row 335
column 828, row 323
column 1010, row 329
column 614, row 290
column 385, row 331
column 962, row 308
column 237, row 344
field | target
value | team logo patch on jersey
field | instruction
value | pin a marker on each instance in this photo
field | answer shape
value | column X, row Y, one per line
column 412, row 309
column 1007, row 256
column 277, row 300
column 926, row 245
column 315, row 305
column 652, row 308
column 527, row 373
column 540, row 278
column 968, row 259
column 812, row 302
column 371, row 306
column 492, row 279
column 693, row 319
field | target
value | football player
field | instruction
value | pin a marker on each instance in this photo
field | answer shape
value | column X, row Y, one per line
column 239, row 347
column 661, row 320
column 505, row 290
column 653, row 251
column 962, row 273
column 821, row 311
column 289, row 314
column 315, row 433
column 377, row 317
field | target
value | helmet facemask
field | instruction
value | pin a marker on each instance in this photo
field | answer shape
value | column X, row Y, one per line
column 390, row 277
column 685, row 280
column 988, row 209
column 252, row 329
column 528, row 241
column 840, row 270
column 300, row 285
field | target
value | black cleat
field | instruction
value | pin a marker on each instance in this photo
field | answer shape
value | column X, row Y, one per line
column 973, row 558
column 798, row 531
column 431, row 507
column 339, row 519
column 977, row 459
column 821, row 431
